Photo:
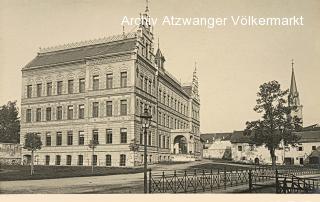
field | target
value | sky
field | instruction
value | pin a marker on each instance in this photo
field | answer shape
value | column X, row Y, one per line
column 232, row 61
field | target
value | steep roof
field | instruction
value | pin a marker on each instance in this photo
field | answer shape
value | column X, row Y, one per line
column 80, row 51
column 239, row 137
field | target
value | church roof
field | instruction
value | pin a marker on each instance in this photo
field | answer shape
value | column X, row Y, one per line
column 79, row 51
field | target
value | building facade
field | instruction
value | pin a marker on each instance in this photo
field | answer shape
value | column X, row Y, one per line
column 97, row 90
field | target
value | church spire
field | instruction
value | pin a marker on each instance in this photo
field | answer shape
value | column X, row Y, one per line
column 293, row 98
column 293, row 94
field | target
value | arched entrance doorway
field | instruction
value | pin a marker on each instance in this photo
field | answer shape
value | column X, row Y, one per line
column 180, row 145
column 256, row 161
column 26, row 159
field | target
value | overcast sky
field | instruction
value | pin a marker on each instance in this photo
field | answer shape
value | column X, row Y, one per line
column 232, row 60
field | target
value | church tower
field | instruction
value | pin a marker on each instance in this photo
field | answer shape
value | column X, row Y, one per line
column 293, row 98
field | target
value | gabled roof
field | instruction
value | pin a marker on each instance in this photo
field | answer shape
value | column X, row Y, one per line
column 187, row 89
column 79, row 53
column 239, row 137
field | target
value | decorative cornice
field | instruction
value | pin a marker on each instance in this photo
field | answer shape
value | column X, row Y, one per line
column 88, row 42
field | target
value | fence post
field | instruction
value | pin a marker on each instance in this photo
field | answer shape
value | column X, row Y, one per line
column 237, row 176
column 195, row 181
column 277, row 182
column 225, row 178
column 175, row 182
column 185, row 181
column 163, row 183
column 218, row 178
column 203, row 181
column 150, row 181
column 250, row 181
column 211, row 180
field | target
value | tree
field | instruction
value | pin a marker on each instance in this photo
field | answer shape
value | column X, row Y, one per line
column 9, row 123
column 276, row 124
column 32, row 143
column 93, row 144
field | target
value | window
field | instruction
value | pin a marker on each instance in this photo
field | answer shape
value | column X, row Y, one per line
column 81, row 111
column 59, row 113
column 314, row 148
column 95, row 135
column 48, row 139
column 123, row 107
column 146, row 84
column 28, row 117
column 149, row 139
column 122, row 160
column 141, row 82
column 80, row 160
column 58, row 160
column 123, row 134
column 108, row 160
column 95, row 109
column 38, row 114
column 69, row 160
column 49, row 88
column 239, row 148
column 69, row 138
column 141, row 138
column 95, row 84
column 149, row 89
column 163, row 142
column 70, row 86
column 48, row 114
column 109, row 81
column 109, row 108
column 300, row 148
column 94, row 159
column 81, row 85
column 109, row 136
column 123, row 79
column 39, row 89
column 70, row 112
column 59, row 87
column 150, row 158
column 29, row 91
column 159, row 141
column 59, row 139
column 47, row 160
column 81, row 137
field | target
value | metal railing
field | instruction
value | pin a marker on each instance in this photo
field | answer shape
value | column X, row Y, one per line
column 186, row 181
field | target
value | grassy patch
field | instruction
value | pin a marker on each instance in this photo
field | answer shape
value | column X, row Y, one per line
column 19, row 172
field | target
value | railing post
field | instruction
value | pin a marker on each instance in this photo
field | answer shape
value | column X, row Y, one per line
column 163, row 183
column 195, row 181
column 225, row 177
column 211, row 180
column 237, row 176
column 250, row 181
column 150, row 181
column 203, row 181
column 219, row 178
column 185, row 181
column 175, row 182
column 277, row 182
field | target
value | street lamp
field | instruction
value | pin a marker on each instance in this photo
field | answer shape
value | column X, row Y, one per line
column 145, row 121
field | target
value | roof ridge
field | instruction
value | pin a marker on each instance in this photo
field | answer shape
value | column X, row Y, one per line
column 87, row 42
